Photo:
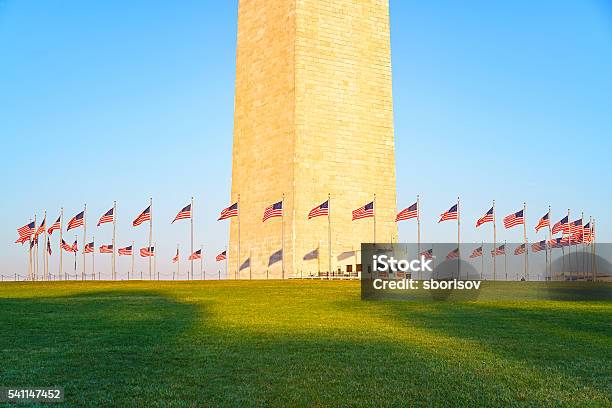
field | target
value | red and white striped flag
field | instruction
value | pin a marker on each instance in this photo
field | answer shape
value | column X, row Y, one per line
column 476, row 252
column 106, row 249
column 144, row 216
column 366, row 211
column 544, row 222
column 76, row 221
column 41, row 229
column 176, row 257
column 65, row 246
column 184, row 214
column 454, row 254
column 125, row 251
column 320, row 210
column 108, row 216
column 519, row 249
column 488, row 217
column 407, row 213
column 25, row 232
column 514, row 219
column 146, row 252
column 274, row 210
column 89, row 248
column 221, row 257
column 561, row 226
column 231, row 211
column 451, row 214
column 196, row 255
column 55, row 226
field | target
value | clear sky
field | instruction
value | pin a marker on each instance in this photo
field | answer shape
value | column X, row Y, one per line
column 115, row 100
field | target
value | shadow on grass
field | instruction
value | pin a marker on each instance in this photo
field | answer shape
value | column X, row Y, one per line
column 143, row 348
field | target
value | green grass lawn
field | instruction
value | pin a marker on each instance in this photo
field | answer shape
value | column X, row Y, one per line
column 298, row 343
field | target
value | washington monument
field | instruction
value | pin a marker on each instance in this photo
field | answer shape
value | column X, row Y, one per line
column 313, row 119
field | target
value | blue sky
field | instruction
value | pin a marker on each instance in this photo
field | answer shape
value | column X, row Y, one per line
column 114, row 100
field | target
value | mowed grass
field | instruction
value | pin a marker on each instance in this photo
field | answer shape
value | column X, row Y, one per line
column 299, row 343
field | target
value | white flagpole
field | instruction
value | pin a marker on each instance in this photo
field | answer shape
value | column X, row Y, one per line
column 178, row 262
column 418, row 225
column 45, row 252
column 525, row 241
column 374, row 210
column 329, row 241
column 150, row 235
column 35, row 264
column 238, row 252
column 61, row 250
column 133, row 250
column 458, row 240
column 114, row 277
column 202, row 263
column 93, row 257
column 494, row 242
column 192, row 211
column 282, row 240
column 569, row 247
column 83, row 275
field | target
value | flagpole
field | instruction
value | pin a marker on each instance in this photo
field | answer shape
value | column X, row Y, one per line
column 549, row 248
column 374, row 210
column 154, row 262
column 33, row 256
column 593, row 249
column 192, row 236
column 282, row 240
column 458, row 240
column 329, row 242
column 202, row 263
column 178, row 262
column 238, row 254
column 418, row 225
column 84, row 239
column 114, row 277
column 505, row 260
column 569, row 247
column 482, row 260
column 61, row 250
column 93, row 257
column 583, row 246
column 150, row 234
column 45, row 252
column 133, row 250
column 525, row 240
column 75, row 259
column 494, row 242
column 35, row 277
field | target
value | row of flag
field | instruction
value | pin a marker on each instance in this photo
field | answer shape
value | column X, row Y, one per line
column 573, row 232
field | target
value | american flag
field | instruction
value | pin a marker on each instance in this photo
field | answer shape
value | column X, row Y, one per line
column 176, row 257
column 577, row 238
column 274, row 210
column 476, row 252
column 144, row 216
column 196, row 255
column 89, row 248
column 125, row 251
column 229, row 212
column 109, row 216
column 556, row 243
column 22, row 240
column 587, row 233
column 576, row 227
column 184, row 214
column 26, row 231
column 519, row 249
column 49, row 246
column 515, row 219
column 364, row 212
column 55, row 226
column 561, row 226
column 145, row 252
column 408, row 213
column 74, row 247
column 453, row 254
column 451, row 214
column 319, row 210
column 500, row 250
column 221, row 257
column 41, row 229
column 76, row 221
column 428, row 254
column 488, row 217
column 66, row 247
column 106, row 249
column 544, row 222
column 538, row 246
